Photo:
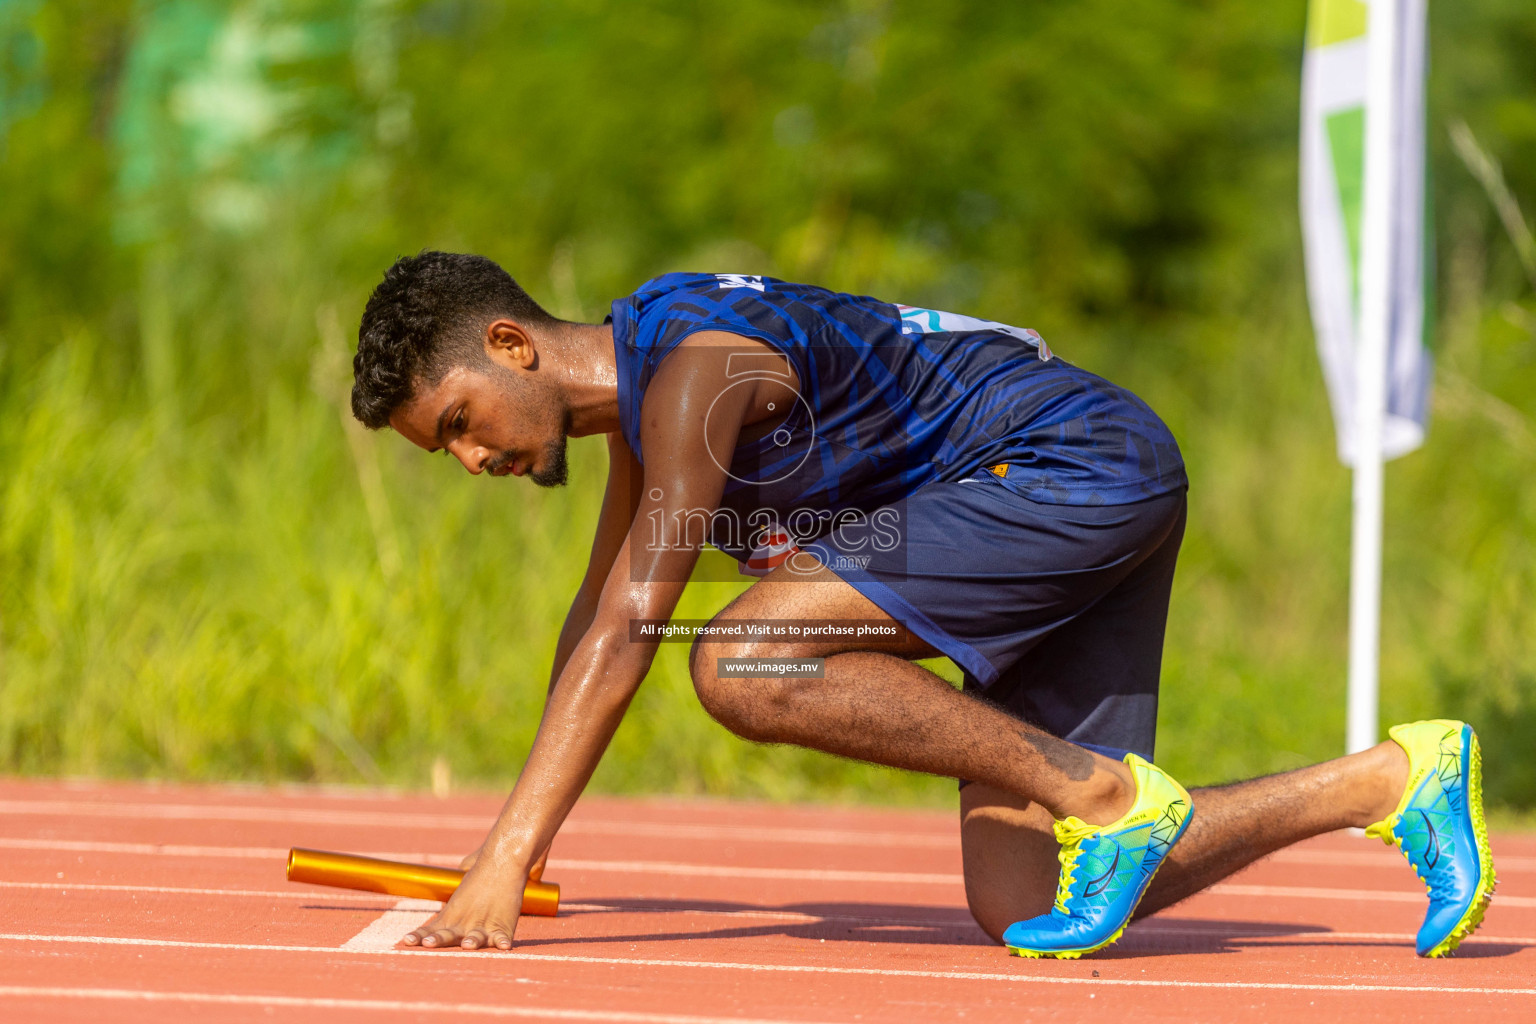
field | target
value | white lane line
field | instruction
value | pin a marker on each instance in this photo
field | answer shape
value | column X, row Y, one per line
column 1382, row 858
column 405, row 916
column 878, row 972
column 678, row 869
column 64, row 888
column 1168, row 928
column 1371, row 895
column 471, row 823
column 380, row 1005
column 656, row 867
column 622, row 866
column 660, row 830
column 164, row 849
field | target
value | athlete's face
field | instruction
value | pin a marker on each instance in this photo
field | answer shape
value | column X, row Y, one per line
column 497, row 419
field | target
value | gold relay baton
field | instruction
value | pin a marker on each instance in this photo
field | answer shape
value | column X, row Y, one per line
column 393, row 878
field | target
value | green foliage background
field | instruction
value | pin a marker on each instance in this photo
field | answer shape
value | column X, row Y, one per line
column 206, row 571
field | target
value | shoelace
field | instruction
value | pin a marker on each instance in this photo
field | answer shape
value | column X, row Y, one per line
column 1070, row 833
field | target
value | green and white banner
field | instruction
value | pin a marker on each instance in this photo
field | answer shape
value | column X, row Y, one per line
column 1334, row 111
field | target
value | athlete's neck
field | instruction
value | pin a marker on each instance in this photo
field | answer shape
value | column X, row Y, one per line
column 588, row 376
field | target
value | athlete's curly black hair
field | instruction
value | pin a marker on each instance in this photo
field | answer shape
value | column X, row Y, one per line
column 426, row 317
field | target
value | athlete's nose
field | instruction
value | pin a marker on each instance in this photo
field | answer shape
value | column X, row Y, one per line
column 473, row 458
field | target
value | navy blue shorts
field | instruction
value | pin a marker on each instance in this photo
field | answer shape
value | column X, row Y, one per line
column 1054, row 612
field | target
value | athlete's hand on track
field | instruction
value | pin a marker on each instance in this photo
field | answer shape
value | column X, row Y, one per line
column 482, row 913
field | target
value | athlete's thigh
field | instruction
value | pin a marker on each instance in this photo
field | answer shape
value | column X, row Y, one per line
column 816, row 596
column 1009, row 854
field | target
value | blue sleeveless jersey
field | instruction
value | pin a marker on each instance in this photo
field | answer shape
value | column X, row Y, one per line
column 894, row 397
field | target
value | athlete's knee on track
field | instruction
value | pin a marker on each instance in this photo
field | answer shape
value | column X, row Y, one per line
column 982, row 894
column 1008, row 856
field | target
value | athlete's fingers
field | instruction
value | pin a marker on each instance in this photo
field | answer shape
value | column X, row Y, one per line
column 427, row 928
column 473, row 939
column 500, row 939
column 439, row 938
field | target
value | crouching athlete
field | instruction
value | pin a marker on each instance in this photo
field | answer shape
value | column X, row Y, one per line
column 945, row 476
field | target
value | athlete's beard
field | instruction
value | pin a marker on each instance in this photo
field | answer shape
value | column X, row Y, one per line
column 554, row 472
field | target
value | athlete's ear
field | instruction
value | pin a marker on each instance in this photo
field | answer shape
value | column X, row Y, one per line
column 509, row 343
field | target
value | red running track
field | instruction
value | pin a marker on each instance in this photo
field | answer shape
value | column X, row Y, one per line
column 150, row 903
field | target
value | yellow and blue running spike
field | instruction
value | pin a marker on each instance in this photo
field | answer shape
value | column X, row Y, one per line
column 1439, row 827
column 1105, row 870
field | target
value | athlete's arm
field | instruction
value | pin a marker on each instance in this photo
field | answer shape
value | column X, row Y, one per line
column 690, row 423
column 620, row 499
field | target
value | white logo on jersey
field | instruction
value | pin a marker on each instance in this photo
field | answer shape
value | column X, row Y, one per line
column 915, row 320
column 740, row 281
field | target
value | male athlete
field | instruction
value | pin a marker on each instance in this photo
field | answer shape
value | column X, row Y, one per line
column 945, row 479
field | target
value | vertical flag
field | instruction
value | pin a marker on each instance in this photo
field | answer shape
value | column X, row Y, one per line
column 1334, row 111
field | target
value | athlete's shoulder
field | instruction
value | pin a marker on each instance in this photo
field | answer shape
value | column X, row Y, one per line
column 687, row 283
column 666, row 308
column 675, row 281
